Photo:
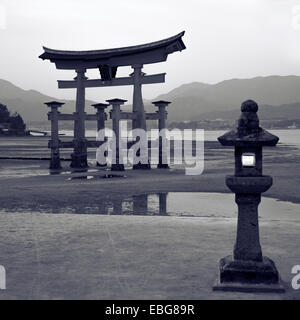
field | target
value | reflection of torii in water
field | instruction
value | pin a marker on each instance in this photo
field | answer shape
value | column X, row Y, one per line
column 140, row 204
column 108, row 61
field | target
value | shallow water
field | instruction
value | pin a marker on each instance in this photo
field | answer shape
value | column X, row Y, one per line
column 90, row 177
column 182, row 204
column 287, row 136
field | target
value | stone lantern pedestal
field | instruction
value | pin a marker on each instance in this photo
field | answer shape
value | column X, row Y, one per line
column 247, row 269
column 247, row 265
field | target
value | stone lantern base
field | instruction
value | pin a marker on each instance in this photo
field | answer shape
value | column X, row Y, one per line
column 101, row 165
column 55, row 164
column 163, row 166
column 79, row 156
column 248, row 276
column 79, row 161
column 55, row 161
column 117, row 167
column 141, row 166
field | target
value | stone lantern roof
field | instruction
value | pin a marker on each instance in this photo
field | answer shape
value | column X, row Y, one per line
column 100, row 105
column 161, row 102
column 116, row 101
column 54, row 103
column 248, row 133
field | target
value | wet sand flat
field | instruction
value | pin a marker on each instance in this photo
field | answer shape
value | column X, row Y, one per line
column 124, row 257
column 129, row 257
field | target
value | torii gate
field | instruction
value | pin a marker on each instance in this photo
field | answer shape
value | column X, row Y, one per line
column 108, row 61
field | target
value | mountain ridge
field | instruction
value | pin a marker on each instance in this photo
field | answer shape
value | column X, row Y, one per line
column 228, row 95
column 189, row 101
column 30, row 103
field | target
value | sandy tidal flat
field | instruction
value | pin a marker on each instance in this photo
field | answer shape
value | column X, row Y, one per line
column 49, row 254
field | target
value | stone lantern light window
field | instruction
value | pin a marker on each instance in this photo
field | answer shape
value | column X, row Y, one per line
column 248, row 159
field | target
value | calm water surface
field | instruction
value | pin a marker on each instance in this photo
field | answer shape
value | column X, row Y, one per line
column 181, row 204
column 288, row 136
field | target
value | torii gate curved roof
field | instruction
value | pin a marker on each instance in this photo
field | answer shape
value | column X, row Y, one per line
column 141, row 54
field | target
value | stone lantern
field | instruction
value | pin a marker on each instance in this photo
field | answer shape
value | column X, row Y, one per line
column 101, row 118
column 54, row 143
column 248, row 269
column 101, row 115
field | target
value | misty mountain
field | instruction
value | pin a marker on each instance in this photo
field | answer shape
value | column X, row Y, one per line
column 278, row 97
column 30, row 103
column 265, row 112
column 195, row 101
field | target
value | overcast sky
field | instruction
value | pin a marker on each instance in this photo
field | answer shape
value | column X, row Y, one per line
column 225, row 39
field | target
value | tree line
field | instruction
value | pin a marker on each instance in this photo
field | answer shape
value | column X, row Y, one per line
column 14, row 121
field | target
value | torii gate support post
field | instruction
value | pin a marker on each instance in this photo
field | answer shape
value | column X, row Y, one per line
column 54, row 142
column 139, row 120
column 101, row 118
column 162, row 154
column 115, row 115
column 79, row 156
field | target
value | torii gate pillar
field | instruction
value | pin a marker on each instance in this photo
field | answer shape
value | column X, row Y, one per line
column 115, row 115
column 137, row 105
column 101, row 118
column 139, row 120
column 79, row 155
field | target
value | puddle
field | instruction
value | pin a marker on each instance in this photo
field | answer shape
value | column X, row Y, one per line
column 83, row 170
column 106, row 176
column 23, row 173
column 51, row 173
column 182, row 204
column 38, row 170
column 81, row 178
